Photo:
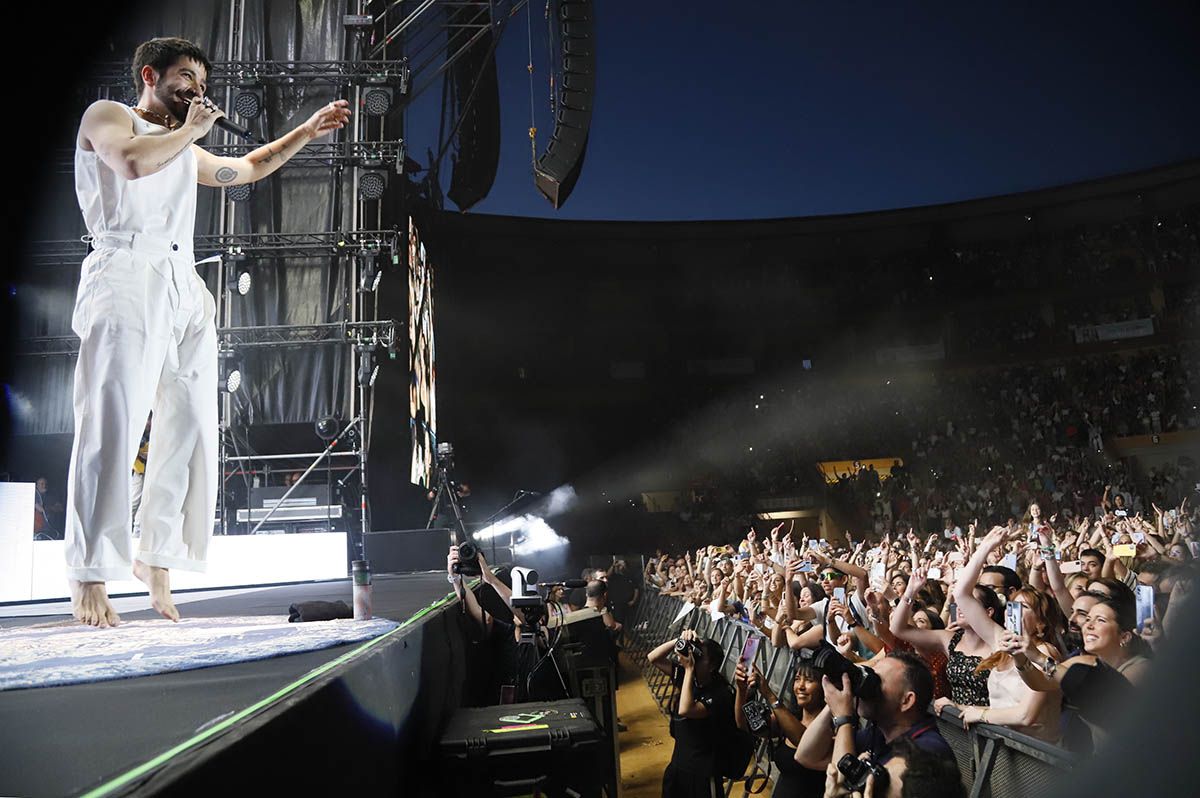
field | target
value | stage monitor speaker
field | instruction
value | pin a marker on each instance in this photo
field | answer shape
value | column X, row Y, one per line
column 557, row 170
column 406, row 550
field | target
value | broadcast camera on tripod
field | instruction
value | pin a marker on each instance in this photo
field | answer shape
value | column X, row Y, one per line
column 448, row 492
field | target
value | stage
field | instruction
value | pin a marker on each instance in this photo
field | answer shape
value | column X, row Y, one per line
column 359, row 715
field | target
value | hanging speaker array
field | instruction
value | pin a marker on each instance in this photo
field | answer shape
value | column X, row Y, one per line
column 557, row 169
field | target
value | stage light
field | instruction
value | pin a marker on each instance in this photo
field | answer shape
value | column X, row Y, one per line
column 237, row 275
column 248, row 102
column 369, row 271
column 371, row 184
column 377, row 97
column 327, row 428
column 230, row 376
column 240, row 193
column 368, row 370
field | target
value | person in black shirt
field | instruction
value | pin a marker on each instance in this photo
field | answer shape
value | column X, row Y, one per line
column 787, row 726
column 705, row 707
column 520, row 671
column 622, row 592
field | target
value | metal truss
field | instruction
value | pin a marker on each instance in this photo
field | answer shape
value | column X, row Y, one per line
column 321, row 155
column 237, row 74
column 71, row 252
column 359, row 333
column 369, row 334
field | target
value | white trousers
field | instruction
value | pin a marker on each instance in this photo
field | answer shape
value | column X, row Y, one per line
column 145, row 321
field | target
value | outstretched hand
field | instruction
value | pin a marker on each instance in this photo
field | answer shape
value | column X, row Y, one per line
column 333, row 116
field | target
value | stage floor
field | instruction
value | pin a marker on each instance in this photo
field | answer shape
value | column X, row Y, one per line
column 66, row 740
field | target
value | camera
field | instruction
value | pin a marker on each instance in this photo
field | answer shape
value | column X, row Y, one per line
column 856, row 770
column 826, row 660
column 525, row 588
column 689, row 647
column 758, row 714
column 468, row 559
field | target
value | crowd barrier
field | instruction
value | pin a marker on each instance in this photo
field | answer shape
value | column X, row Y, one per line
column 994, row 761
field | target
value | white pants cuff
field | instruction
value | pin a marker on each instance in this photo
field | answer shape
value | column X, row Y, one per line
column 172, row 563
column 116, row 573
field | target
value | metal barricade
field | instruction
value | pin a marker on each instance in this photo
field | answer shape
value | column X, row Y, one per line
column 993, row 761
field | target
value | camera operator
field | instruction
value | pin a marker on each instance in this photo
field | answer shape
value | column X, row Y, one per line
column 786, row 727
column 898, row 709
column 704, row 708
column 520, row 671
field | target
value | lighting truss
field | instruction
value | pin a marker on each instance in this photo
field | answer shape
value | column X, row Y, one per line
column 233, row 74
column 71, row 252
column 320, row 155
column 368, row 334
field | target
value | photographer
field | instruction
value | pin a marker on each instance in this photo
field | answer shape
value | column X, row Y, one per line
column 912, row 773
column 896, row 706
column 786, row 727
column 703, row 710
column 520, row 670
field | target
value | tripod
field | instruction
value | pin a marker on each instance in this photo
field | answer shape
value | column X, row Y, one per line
column 531, row 630
column 446, row 495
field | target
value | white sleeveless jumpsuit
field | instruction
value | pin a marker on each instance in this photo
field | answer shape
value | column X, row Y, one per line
column 148, row 341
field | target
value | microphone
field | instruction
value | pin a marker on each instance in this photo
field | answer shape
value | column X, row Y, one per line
column 569, row 583
column 224, row 123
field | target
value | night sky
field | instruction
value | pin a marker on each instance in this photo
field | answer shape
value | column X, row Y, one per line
column 773, row 109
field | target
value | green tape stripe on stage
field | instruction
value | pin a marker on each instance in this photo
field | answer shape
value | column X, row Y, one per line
column 141, row 770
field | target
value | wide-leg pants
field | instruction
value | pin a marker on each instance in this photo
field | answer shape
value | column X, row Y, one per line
column 145, row 320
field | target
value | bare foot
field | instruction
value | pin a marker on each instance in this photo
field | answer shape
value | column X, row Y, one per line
column 89, row 604
column 159, row 582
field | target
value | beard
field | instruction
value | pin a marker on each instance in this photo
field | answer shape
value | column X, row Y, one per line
column 177, row 108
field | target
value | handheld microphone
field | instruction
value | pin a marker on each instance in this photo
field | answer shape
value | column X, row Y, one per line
column 224, row 123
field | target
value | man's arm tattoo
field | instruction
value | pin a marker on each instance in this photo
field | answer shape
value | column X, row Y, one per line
column 173, row 157
column 226, row 175
column 270, row 155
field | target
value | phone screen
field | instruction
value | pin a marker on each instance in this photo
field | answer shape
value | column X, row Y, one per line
column 1071, row 567
column 839, row 595
column 1013, row 616
column 935, row 573
column 805, row 568
column 1145, row 605
column 750, row 650
column 759, row 567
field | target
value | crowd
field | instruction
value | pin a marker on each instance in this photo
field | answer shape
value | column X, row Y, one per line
column 1047, row 622
column 983, row 443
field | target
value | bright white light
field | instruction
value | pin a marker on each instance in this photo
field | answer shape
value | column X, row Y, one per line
column 244, row 283
column 233, row 381
column 530, row 533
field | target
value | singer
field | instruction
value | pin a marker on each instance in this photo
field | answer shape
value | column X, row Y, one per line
column 145, row 320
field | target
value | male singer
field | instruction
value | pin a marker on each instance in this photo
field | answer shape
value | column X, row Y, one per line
column 146, row 324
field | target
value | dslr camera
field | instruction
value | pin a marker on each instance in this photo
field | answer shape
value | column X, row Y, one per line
column 690, row 647
column 758, row 714
column 825, row 659
column 468, row 563
column 856, row 770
